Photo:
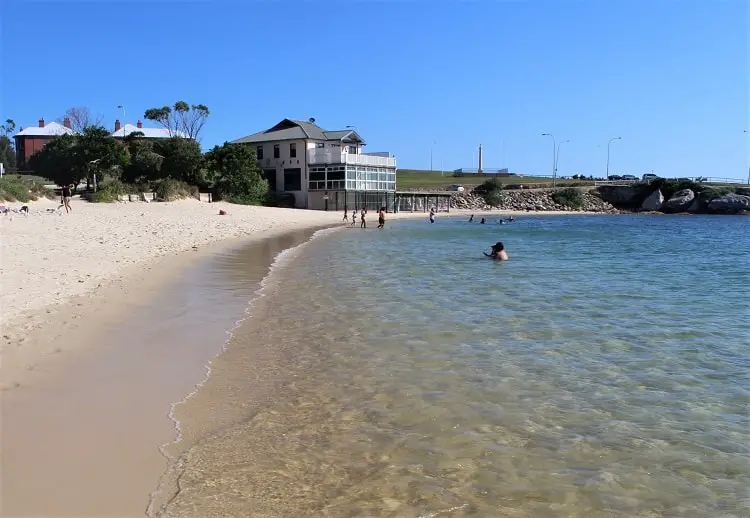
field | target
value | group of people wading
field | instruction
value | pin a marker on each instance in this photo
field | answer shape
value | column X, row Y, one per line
column 363, row 217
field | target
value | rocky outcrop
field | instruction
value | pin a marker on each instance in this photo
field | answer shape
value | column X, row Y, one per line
column 730, row 203
column 622, row 195
column 528, row 201
column 680, row 201
column 653, row 201
column 743, row 191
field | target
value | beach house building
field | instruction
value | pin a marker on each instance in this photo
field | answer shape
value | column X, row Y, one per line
column 322, row 169
column 122, row 131
column 32, row 139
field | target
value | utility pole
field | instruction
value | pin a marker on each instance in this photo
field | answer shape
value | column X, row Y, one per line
column 554, row 155
column 608, row 144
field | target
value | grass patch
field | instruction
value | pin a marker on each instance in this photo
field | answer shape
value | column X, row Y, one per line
column 17, row 188
column 430, row 180
column 170, row 190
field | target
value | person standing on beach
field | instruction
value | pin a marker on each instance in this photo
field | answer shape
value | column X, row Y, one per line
column 381, row 218
column 346, row 214
column 65, row 195
column 363, row 224
column 432, row 215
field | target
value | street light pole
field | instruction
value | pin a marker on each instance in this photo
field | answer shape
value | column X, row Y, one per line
column 124, row 120
column 557, row 161
column 433, row 143
column 608, row 144
column 554, row 155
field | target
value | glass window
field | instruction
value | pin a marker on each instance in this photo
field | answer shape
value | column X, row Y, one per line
column 316, row 176
column 293, row 150
column 336, row 173
column 259, row 152
column 276, row 152
column 319, row 145
column 293, row 179
column 353, row 150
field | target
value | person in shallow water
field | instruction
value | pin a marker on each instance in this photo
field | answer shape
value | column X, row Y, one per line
column 381, row 217
column 471, row 218
column 483, row 221
column 498, row 252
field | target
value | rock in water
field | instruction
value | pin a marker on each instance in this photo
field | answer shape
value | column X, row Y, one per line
column 680, row 201
column 654, row 201
column 730, row 203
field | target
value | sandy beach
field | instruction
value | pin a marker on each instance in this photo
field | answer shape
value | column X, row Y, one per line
column 79, row 329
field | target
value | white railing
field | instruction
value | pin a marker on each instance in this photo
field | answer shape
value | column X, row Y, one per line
column 324, row 156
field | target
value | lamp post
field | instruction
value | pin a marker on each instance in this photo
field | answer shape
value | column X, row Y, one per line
column 557, row 161
column 608, row 144
column 124, row 120
column 433, row 143
column 554, row 155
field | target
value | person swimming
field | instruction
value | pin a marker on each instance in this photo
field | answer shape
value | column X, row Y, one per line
column 498, row 252
column 471, row 219
column 483, row 221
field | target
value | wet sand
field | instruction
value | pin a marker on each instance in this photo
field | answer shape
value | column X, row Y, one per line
column 81, row 435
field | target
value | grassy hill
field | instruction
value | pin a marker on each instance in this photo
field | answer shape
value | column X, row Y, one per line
column 419, row 179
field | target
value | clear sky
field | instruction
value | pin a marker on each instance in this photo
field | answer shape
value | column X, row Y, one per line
column 669, row 77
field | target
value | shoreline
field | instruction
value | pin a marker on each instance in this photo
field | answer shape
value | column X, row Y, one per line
column 104, row 422
column 55, row 352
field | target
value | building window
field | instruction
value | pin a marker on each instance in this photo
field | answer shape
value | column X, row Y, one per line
column 270, row 175
column 276, row 152
column 319, row 145
column 259, row 152
column 293, row 179
column 353, row 150
column 293, row 150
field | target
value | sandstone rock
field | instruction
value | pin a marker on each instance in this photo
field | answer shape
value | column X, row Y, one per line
column 743, row 191
column 695, row 206
column 680, row 201
column 730, row 203
column 653, row 201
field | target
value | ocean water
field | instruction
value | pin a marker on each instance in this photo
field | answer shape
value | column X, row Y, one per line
column 602, row 372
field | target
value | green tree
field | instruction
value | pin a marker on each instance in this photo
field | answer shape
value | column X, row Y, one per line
column 182, row 160
column 98, row 153
column 7, row 150
column 181, row 118
column 58, row 161
column 8, row 128
column 238, row 177
column 145, row 163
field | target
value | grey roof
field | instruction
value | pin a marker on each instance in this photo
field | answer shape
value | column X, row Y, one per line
column 289, row 129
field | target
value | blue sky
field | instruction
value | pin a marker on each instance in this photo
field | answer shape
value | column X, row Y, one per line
column 669, row 77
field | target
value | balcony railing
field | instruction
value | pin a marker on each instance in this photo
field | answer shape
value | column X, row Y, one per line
column 324, row 156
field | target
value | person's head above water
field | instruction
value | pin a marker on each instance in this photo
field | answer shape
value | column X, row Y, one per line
column 498, row 247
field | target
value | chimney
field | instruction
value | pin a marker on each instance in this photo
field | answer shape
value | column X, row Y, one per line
column 66, row 122
column 117, row 125
column 140, row 124
column 41, row 122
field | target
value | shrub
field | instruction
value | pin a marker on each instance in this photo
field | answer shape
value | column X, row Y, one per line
column 493, row 184
column 170, row 190
column 669, row 186
column 103, row 196
column 494, row 198
column 569, row 197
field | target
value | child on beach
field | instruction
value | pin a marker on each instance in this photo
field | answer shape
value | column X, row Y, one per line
column 363, row 224
column 346, row 215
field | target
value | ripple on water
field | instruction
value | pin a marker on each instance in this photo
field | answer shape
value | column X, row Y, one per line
column 602, row 372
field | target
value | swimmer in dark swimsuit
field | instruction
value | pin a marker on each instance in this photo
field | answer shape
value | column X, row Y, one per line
column 471, row 219
column 483, row 221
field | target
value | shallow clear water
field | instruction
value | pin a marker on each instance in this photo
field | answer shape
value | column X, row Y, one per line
column 602, row 371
